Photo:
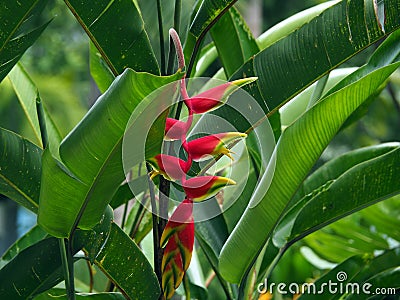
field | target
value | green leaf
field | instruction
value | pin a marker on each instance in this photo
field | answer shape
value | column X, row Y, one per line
column 209, row 53
column 71, row 191
column 31, row 237
column 353, row 179
column 14, row 40
column 291, row 24
column 60, row 294
column 211, row 236
column 99, row 69
column 358, row 269
column 344, row 239
column 28, row 95
column 207, row 14
column 122, row 44
column 234, row 41
column 124, row 263
column 297, row 150
column 24, row 277
column 38, row 267
column 20, row 165
column 385, row 217
column 95, row 239
column 350, row 26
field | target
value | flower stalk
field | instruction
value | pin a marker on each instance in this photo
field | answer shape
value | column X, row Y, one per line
column 175, row 239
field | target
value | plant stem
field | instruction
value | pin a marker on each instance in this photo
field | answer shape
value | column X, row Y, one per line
column 394, row 98
column 65, row 258
column 42, row 121
column 163, row 198
column 91, row 279
column 177, row 25
column 128, row 179
column 161, row 35
column 157, row 255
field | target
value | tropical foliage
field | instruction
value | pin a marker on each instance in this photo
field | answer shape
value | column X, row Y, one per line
column 225, row 176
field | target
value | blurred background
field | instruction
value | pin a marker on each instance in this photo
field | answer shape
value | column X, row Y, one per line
column 58, row 63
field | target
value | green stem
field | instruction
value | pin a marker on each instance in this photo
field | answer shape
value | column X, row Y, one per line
column 186, row 286
column 42, row 121
column 128, row 179
column 161, row 35
column 65, row 258
column 138, row 218
column 157, row 250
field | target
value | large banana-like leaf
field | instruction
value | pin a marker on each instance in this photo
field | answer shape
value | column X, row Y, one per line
column 208, row 13
column 357, row 269
column 269, row 37
column 360, row 183
column 28, row 239
column 107, row 244
column 116, row 28
column 390, row 224
column 78, row 188
column 28, row 96
column 137, row 280
column 297, row 150
column 13, row 42
column 234, row 41
column 20, row 165
column 61, row 295
column 291, row 64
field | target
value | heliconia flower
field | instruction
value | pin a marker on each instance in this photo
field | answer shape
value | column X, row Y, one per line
column 204, row 187
column 171, row 167
column 178, row 240
column 210, row 145
column 214, row 97
column 175, row 129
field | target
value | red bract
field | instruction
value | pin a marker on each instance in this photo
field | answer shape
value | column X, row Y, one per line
column 212, row 98
column 171, row 167
column 211, row 145
column 204, row 187
column 175, row 129
column 178, row 239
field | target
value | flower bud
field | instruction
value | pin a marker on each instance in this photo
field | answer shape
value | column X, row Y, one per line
column 171, row 167
column 214, row 97
column 211, row 145
column 204, row 187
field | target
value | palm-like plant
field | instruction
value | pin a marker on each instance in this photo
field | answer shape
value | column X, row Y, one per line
column 75, row 182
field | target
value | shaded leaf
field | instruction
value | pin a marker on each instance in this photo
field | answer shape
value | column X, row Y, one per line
column 31, row 237
column 124, row 263
column 358, row 185
column 20, row 165
column 14, row 39
column 122, row 43
column 90, row 170
column 60, row 294
column 234, row 41
column 348, row 25
column 28, row 95
column 358, row 269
